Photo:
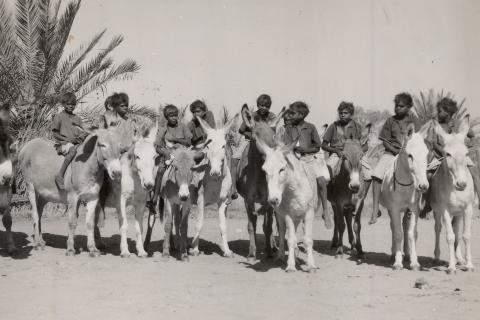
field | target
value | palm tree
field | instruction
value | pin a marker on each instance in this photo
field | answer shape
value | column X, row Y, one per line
column 34, row 71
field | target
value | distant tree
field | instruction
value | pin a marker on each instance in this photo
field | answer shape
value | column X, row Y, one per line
column 365, row 116
column 34, row 71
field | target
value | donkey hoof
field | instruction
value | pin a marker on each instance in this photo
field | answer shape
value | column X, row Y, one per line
column 101, row 246
column 461, row 262
column 70, row 252
column 290, row 269
column 470, row 269
column 415, row 267
column 165, row 256
column 451, row 271
column 312, row 269
column 185, row 258
column 228, row 254
column 251, row 259
column 142, row 254
column 94, row 254
column 125, row 255
column 194, row 252
column 354, row 252
column 397, row 267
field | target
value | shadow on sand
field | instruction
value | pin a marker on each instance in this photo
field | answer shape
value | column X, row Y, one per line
column 21, row 242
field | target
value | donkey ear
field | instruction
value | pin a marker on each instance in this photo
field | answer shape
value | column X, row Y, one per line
column 274, row 122
column 288, row 148
column 439, row 130
column 205, row 126
column 464, row 125
column 230, row 123
column 247, row 116
column 410, row 130
column 261, row 145
column 365, row 135
column 151, row 133
column 279, row 134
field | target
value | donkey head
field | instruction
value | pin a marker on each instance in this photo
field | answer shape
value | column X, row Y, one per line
column 144, row 157
column 216, row 144
column 182, row 162
column 456, row 152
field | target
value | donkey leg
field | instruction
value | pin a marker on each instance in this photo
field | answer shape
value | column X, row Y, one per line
column 292, row 244
column 281, row 237
column 268, row 232
column 412, row 226
column 335, row 227
column 123, row 226
column 467, row 231
column 222, row 209
column 309, row 240
column 139, row 212
column 167, row 228
column 458, row 223
column 73, row 205
column 7, row 223
column 447, row 221
column 341, row 229
column 357, row 227
column 32, row 197
column 90, row 225
column 397, row 237
column 199, row 222
column 438, row 230
column 99, row 216
column 252, row 231
column 351, row 235
column 183, row 232
column 405, row 227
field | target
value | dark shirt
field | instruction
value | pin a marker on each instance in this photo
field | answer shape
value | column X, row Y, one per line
column 256, row 117
column 198, row 135
column 66, row 125
column 305, row 133
column 394, row 130
column 439, row 144
column 167, row 133
column 337, row 133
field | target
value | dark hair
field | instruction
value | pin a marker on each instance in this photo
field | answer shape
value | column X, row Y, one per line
column 169, row 108
column 404, row 97
column 346, row 106
column 198, row 104
column 118, row 98
column 264, row 100
column 5, row 106
column 68, row 97
column 447, row 104
column 300, row 106
column 108, row 102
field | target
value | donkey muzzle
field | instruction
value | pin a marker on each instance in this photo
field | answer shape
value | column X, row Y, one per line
column 460, row 185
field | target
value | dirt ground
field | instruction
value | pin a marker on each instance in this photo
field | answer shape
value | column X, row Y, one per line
column 49, row 285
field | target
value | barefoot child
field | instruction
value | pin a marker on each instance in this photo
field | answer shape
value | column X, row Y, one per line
column 68, row 134
column 199, row 110
column 392, row 134
column 308, row 145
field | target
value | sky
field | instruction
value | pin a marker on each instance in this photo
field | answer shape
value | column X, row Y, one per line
column 322, row 52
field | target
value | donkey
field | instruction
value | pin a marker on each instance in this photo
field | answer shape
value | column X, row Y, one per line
column 216, row 183
column 293, row 195
column 39, row 162
column 138, row 177
column 252, row 182
column 6, row 176
column 452, row 197
column 401, row 189
column 344, row 186
column 176, row 190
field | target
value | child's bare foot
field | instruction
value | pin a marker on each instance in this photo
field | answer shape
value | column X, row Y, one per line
column 328, row 219
column 374, row 217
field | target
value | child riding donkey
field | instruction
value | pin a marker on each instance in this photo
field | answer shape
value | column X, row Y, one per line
column 344, row 140
column 446, row 109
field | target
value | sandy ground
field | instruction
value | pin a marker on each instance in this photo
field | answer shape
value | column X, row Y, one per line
column 49, row 285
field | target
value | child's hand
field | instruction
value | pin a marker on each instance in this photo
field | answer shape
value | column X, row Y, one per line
column 299, row 150
column 340, row 154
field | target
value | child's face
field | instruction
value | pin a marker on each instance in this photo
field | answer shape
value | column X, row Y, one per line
column 443, row 116
column 172, row 119
column 287, row 118
column 199, row 113
column 344, row 116
column 297, row 116
column 122, row 108
column 401, row 109
column 69, row 106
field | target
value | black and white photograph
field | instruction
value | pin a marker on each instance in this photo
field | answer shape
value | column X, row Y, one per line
column 239, row 159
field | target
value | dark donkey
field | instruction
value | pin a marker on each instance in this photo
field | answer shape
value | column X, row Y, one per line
column 252, row 183
column 6, row 175
column 342, row 194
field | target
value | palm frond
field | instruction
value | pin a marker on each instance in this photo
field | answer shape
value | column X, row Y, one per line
column 68, row 65
column 7, row 34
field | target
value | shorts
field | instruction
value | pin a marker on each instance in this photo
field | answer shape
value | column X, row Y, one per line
column 237, row 151
column 316, row 165
column 333, row 162
column 63, row 149
column 384, row 164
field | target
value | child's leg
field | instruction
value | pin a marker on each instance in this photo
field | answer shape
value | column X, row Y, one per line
column 322, row 196
column 426, row 197
column 66, row 162
column 157, row 187
column 376, row 189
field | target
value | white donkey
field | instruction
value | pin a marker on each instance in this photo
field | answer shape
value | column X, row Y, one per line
column 138, row 178
column 452, row 197
column 293, row 195
column 216, row 183
column 401, row 189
